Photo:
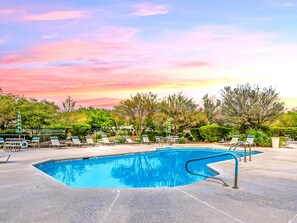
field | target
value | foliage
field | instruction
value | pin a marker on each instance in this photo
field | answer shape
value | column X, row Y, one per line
column 281, row 131
column 196, row 134
column 211, row 107
column 288, row 119
column 250, row 106
column 69, row 104
column 99, row 118
column 80, row 129
column 139, row 109
column 180, row 110
column 212, row 133
column 261, row 138
column 36, row 114
column 182, row 140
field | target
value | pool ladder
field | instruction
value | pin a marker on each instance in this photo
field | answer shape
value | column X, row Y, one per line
column 217, row 178
column 244, row 143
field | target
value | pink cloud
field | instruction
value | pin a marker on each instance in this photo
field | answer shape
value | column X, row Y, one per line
column 56, row 15
column 148, row 9
column 192, row 64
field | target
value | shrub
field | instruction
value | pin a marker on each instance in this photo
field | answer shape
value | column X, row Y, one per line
column 112, row 133
column 261, row 138
column 212, row 133
column 283, row 131
column 80, row 129
column 182, row 140
column 190, row 138
column 196, row 134
column 187, row 135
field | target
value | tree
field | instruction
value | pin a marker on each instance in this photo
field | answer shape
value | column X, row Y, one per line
column 211, row 107
column 37, row 114
column 180, row 110
column 99, row 118
column 250, row 106
column 69, row 104
column 8, row 109
column 139, row 109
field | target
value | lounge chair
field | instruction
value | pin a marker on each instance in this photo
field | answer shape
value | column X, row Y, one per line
column 55, row 143
column 249, row 140
column 5, row 155
column 77, row 142
column 105, row 141
column 234, row 140
column 146, row 140
column 129, row 141
column 35, row 142
column 90, row 141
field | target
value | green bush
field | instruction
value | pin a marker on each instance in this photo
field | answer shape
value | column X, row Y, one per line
column 261, row 138
column 80, row 129
column 196, row 134
column 182, row 140
column 212, row 133
column 283, row 131
column 190, row 138
column 112, row 133
column 187, row 135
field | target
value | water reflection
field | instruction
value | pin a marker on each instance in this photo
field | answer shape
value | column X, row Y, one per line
column 159, row 169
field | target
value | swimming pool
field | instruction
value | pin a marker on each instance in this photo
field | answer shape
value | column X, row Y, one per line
column 162, row 168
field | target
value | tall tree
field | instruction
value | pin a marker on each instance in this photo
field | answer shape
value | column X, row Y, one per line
column 139, row 108
column 180, row 110
column 211, row 107
column 69, row 104
column 251, row 106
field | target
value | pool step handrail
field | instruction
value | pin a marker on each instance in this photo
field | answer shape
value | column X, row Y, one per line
column 235, row 186
column 245, row 144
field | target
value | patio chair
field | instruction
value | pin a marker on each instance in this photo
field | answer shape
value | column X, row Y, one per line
column 250, row 140
column 129, row 141
column 146, row 140
column 55, row 143
column 77, row 142
column 90, row 141
column 234, row 140
column 105, row 141
column 35, row 142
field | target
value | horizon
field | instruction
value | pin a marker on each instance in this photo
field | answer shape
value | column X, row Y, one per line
column 102, row 53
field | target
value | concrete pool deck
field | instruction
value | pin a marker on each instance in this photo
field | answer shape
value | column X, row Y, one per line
column 267, row 192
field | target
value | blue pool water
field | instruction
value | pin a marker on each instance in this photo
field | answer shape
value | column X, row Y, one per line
column 163, row 168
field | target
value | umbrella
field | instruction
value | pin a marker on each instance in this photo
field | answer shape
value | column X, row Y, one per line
column 169, row 127
column 19, row 123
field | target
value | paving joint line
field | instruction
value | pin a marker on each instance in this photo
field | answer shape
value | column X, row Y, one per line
column 203, row 202
column 292, row 219
column 107, row 213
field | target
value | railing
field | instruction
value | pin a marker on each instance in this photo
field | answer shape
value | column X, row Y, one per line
column 217, row 178
column 244, row 143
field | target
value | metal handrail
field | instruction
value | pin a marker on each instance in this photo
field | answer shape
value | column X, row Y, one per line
column 217, row 178
column 244, row 143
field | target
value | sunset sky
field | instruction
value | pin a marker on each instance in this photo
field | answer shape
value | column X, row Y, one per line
column 100, row 52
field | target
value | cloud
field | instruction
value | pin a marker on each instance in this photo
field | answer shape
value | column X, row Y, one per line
column 286, row 3
column 192, row 64
column 56, row 15
column 148, row 9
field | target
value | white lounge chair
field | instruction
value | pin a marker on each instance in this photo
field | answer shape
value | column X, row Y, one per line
column 90, row 141
column 129, row 141
column 105, row 141
column 77, row 142
column 55, row 143
column 146, row 140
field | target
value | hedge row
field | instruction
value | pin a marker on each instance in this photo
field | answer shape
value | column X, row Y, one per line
column 210, row 133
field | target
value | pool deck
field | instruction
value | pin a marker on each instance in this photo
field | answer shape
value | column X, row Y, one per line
column 267, row 192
